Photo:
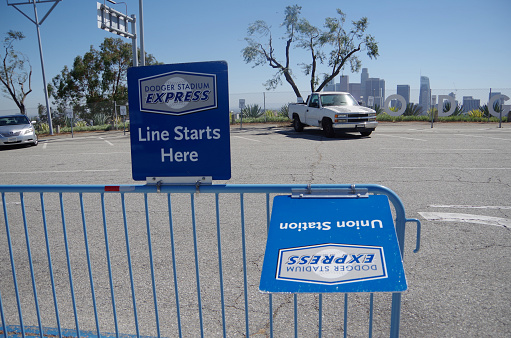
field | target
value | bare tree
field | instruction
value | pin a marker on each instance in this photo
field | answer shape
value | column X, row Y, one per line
column 14, row 74
column 342, row 46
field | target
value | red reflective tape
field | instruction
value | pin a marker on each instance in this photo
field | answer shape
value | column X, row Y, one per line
column 112, row 188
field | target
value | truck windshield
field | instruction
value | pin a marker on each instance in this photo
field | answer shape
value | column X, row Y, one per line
column 337, row 100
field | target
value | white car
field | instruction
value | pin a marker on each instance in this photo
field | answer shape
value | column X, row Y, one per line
column 16, row 129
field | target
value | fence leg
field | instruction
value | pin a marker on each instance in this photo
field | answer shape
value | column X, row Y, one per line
column 395, row 315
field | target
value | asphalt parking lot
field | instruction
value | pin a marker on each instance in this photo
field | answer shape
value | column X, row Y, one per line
column 454, row 177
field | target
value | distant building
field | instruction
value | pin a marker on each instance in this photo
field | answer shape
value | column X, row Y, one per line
column 330, row 87
column 404, row 91
column 425, row 94
column 355, row 91
column 451, row 94
column 344, row 85
column 375, row 89
column 363, row 78
column 470, row 103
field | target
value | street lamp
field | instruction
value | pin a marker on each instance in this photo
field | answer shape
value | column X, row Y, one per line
column 117, row 3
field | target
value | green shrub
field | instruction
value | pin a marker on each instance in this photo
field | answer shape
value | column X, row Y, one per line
column 99, row 119
column 283, row 111
column 475, row 113
column 384, row 117
column 263, row 119
column 43, row 128
column 252, row 111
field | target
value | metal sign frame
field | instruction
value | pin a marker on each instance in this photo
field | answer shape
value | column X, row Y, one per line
column 114, row 21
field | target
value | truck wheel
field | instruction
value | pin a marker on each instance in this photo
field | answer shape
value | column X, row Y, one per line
column 328, row 127
column 366, row 133
column 297, row 125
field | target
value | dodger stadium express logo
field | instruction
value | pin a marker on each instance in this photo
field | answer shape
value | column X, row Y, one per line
column 331, row 263
column 176, row 93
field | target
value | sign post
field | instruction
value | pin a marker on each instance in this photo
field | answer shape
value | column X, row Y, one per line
column 179, row 122
column 70, row 116
column 242, row 106
column 122, row 110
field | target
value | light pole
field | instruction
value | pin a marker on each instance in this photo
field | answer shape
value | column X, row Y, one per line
column 37, row 24
column 141, row 18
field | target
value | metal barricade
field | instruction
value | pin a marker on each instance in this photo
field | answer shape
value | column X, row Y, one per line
column 163, row 260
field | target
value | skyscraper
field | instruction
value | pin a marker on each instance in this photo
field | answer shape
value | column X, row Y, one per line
column 375, row 89
column 404, row 91
column 382, row 90
column 469, row 103
column 425, row 94
column 355, row 91
column 344, row 84
column 363, row 78
column 330, row 87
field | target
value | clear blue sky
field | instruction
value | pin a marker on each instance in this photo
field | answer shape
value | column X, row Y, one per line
column 457, row 44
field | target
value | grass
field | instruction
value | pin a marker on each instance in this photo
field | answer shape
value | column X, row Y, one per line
column 103, row 127
column 423, row 118
column 387, row 118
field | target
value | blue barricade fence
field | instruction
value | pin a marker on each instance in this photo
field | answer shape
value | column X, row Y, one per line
column 163, row 260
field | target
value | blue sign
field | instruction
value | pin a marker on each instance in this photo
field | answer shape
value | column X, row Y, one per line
column 179, row 120
column 325, row 245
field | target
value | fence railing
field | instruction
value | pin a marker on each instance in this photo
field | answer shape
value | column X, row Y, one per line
column 165, row 260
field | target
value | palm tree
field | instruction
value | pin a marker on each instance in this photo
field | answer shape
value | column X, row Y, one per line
column 378, row 109
column 457, row 111
column 412, row 109
column 485, row 110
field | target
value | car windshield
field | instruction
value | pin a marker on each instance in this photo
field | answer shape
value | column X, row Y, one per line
column 338, row 100
column 13, row 120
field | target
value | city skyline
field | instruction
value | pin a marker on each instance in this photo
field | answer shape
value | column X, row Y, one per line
column 374, row 89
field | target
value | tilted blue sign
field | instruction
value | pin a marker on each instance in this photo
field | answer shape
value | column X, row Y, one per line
column 332, row 245
column 179, row 120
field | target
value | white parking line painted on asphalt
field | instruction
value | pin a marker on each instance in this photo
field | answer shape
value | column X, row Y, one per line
column 487, row 137
column 59, row 171
column 417, row 129
column 438, row 150
column 406, row 138
column 110, row 143
column 466, row 218
column 248, row 139
column 82, row 154
column 492, row 207
column 451, row 168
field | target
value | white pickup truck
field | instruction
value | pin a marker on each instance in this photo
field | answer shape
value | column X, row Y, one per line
column 333, row 110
